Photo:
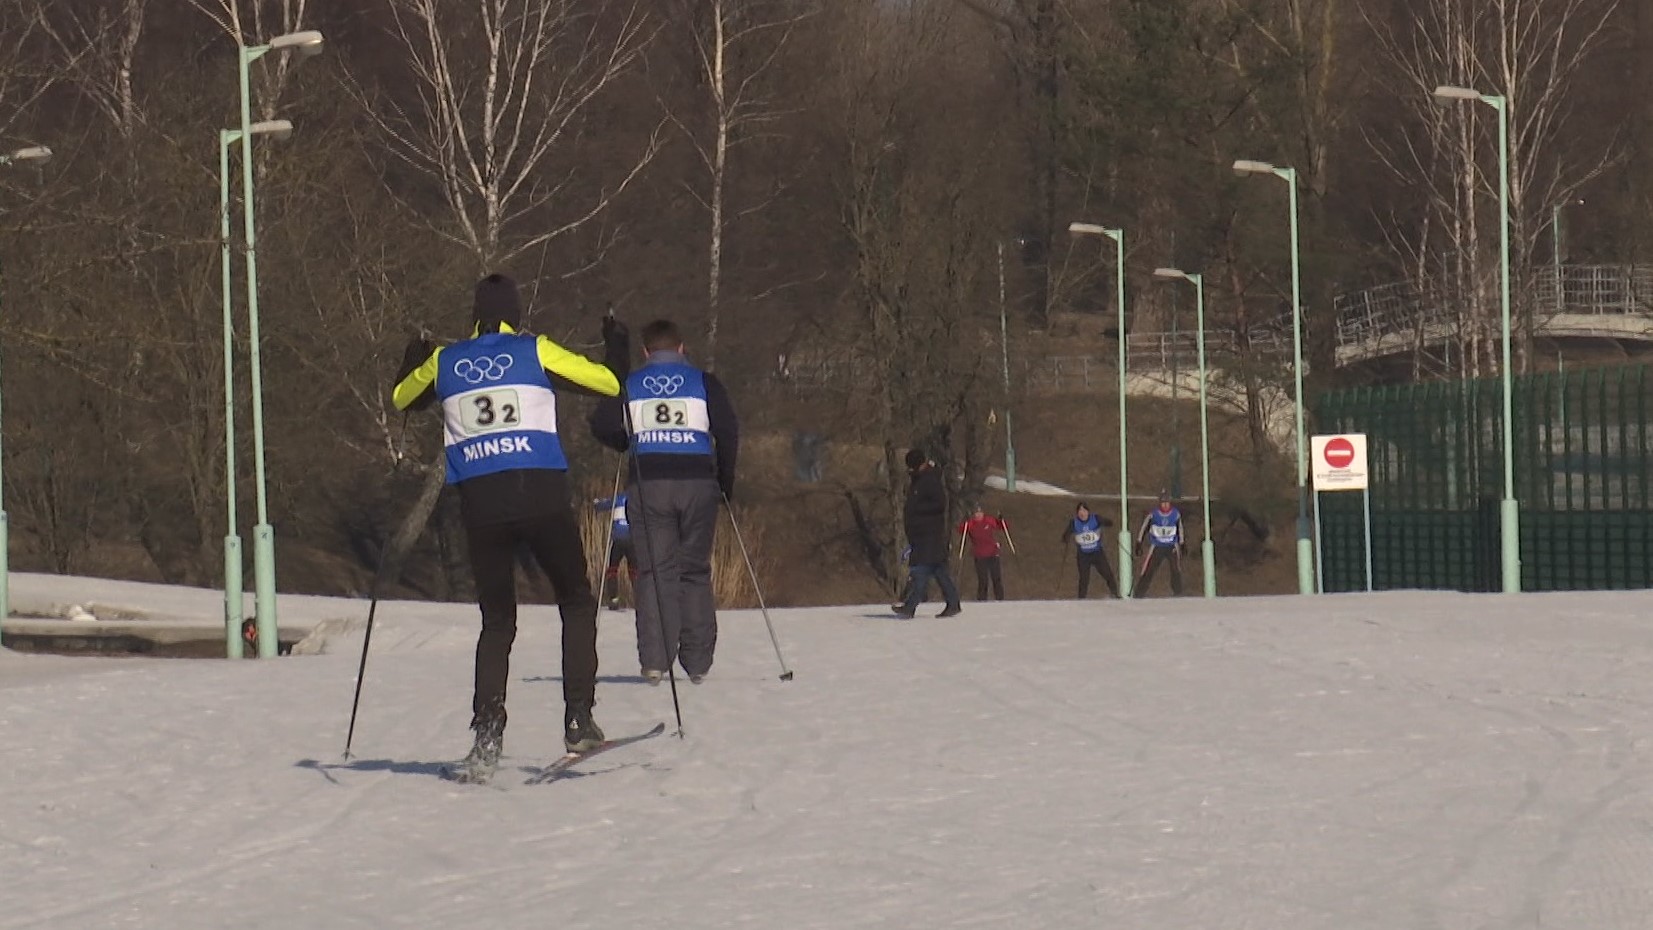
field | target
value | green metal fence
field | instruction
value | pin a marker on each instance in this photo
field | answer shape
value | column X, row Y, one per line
column 1583, row 457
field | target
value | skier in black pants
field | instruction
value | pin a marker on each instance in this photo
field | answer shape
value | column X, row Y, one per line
column 1085, row 529
column 925, row 520
column 684, row 439
column 498, row 391
column 1162, row 529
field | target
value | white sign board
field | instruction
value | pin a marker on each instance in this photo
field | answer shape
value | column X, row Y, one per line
column 1338, row 462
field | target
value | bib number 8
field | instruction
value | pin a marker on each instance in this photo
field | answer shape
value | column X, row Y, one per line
column 488, row 411
column 668, row 413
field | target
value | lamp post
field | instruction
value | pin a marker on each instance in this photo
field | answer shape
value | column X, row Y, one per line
column 1208, row 549
column 1118, row 237
column 276, row 129
column 35, row 153
column 1305, row 548
column 1509, row 509
column 1004, row 347
column 305, row 43
column 1555, row 243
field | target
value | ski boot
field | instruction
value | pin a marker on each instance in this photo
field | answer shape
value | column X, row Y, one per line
column 479, row 766
column 580, row 732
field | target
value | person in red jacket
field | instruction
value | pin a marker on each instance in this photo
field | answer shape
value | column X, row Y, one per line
column 983, row 533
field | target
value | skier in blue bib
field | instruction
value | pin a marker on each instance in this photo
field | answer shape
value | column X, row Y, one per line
column 619, row 546
column 1162, row 531
column 680, row 428
column 499, row 391
column 1085, row 529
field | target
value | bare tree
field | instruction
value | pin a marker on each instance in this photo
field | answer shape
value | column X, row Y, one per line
column 734, row 47
column 1528, row 51
column 501, row 89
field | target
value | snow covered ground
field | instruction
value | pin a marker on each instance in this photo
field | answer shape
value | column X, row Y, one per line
column 1375, row 761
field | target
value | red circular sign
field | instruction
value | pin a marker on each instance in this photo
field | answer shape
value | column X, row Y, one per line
column 1339, row 452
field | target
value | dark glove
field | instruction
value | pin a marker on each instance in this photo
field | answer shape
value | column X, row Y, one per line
column 1105, row 521
column 1136, row 549
column 418, row 350
column 616, row 347
column 728, row 489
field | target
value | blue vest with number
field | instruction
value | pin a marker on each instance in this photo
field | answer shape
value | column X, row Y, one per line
column 1087, row 533
column 1164, row 528
column 667, row 406
column 499, row 412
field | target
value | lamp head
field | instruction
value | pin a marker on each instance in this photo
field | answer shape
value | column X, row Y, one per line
column 1448, row 93
column 1170, row 273
column 32, row 153
column 277, row 129
column 1086, row 229
column 1246, row 166
column 306, row 43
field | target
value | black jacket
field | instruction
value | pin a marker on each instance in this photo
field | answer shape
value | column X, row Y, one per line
column 608, row 425
column 925, row 517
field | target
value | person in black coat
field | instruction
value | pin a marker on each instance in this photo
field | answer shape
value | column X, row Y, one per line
column 925, row 520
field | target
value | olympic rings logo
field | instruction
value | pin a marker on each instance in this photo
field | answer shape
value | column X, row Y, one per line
column 486, row 368
column 666, row 385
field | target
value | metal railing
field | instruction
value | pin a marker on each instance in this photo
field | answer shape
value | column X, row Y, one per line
column 1372, row 322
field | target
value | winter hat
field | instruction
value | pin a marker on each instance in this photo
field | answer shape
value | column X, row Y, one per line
column 915, row 459
column 497, row 301
column 1081, row 506
column 1165, row 497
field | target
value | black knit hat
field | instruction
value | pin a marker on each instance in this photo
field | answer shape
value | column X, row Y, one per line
column 497, row 301
column 915, row 459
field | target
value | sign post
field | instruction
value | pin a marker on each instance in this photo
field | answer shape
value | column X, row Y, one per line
column 1340, row 465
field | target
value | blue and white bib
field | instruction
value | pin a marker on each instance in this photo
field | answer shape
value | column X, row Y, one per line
column 499, row 412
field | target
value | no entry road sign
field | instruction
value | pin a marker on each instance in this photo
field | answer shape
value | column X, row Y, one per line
column 1339, row 462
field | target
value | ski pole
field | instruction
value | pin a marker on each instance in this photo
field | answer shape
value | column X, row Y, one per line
column 608, row 538
column 649, row 564
column 1006, row 527
column 786, row 673
column 372, row 608
column 962, row 532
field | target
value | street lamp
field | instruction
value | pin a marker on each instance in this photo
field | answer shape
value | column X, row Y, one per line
column 1305, row 549
column 1509, row 509
column 1208, row 549
column 275, row 129
column 1555, row 243
column 35, row 153
column 1004, row 348
column 1118, row 237
column 306, row 44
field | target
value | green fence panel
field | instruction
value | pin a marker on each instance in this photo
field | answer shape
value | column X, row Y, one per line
column 1583, row 454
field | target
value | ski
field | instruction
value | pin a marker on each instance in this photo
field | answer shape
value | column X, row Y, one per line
column 561, row 768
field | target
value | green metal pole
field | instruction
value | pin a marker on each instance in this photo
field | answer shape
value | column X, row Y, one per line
column 232, row 539
column 1305, row 552
column 1127, row 570
column 263, row 534
column 1004, row 346
column 1510, row 510
column 1208, row 549
column 5, row 521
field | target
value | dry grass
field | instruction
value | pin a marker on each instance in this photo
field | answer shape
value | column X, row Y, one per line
column 731, row 583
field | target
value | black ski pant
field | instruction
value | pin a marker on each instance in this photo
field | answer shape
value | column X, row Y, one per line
column 1150, row 565
column 989, row 570
column 1098, row 561
column 673, row 522
column 554, row 540
column 918, row 584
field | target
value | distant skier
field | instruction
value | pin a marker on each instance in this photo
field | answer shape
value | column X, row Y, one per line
column 499, row 391
column 1085, row 529
column 925, row 520
column 1162, row 530
column 619, row 547
column 983, row 532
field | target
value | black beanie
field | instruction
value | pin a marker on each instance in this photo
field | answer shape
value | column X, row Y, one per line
column 915, row 459
column 497, row 301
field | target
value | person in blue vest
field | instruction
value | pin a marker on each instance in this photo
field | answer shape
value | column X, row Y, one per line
column 619, row 547
column 1162, row 532
column 1085, row 529
column 499, row 392
column 680, row 428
